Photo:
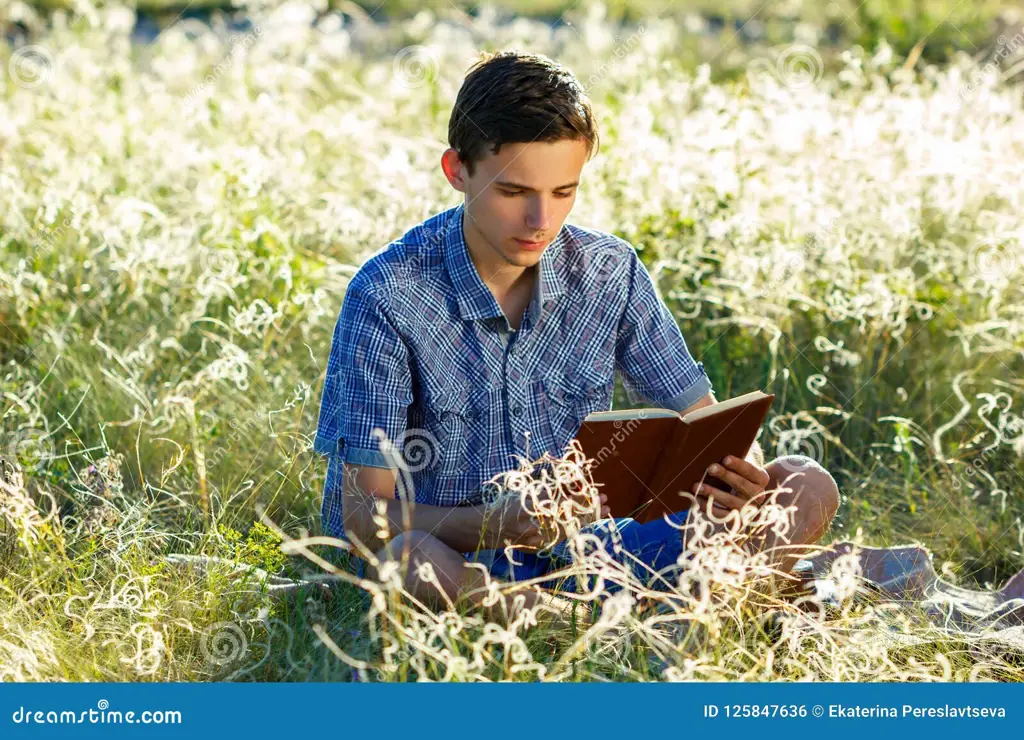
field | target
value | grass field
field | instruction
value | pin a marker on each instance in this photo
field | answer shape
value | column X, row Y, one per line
column 179, row 223
column 941, row 26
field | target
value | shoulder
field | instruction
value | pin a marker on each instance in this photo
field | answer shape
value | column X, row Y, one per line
column 412, row 262
column 590, row 258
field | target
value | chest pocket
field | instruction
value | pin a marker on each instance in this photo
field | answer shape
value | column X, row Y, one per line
column 456, row 422
column 567, row 403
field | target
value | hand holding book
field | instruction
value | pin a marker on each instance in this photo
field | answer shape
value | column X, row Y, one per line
column 747, row 480
column 652, row 462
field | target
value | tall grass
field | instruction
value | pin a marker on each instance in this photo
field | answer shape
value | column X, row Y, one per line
column 179, row 223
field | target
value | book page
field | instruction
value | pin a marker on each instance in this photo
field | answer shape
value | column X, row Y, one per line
column 724, row 406
column 629, row 414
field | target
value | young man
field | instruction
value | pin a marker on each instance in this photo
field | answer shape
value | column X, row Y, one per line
column 491, row 330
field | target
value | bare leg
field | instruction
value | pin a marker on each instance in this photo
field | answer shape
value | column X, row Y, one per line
column 815, row 495
column 461, row 583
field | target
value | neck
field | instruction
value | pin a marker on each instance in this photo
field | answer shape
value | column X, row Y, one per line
column 498, row 274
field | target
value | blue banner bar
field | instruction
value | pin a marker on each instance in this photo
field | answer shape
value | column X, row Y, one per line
column 504, row 710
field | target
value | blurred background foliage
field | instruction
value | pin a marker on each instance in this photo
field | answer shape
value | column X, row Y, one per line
column 939, row 26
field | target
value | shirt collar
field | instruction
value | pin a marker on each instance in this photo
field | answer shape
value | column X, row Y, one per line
column 474, row 298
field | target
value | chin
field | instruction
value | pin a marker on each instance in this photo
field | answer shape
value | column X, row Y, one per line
column 526, row 259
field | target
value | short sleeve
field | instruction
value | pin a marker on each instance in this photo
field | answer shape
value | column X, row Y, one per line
column 650, row 351
column 368, row 383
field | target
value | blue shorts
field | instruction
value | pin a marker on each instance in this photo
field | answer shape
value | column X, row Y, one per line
column 657, row 545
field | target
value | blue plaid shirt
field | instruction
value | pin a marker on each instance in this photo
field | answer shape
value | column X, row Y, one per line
column 423, row 352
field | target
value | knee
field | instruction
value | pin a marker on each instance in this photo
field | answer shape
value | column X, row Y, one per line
column 815, row 492
column 420, row 547
column 415, row 542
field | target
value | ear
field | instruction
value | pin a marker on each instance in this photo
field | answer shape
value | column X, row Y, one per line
column 453, row 169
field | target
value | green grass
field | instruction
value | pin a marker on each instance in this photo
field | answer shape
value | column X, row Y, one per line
column 177, row 240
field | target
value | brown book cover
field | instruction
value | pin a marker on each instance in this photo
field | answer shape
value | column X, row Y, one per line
column 645, row 457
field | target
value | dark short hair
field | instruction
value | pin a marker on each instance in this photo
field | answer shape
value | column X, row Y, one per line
column 509, row 97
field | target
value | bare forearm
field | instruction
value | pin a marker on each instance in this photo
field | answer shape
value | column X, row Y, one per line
column 459, row 527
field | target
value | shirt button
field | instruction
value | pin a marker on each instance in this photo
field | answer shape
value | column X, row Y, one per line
column 517, row 410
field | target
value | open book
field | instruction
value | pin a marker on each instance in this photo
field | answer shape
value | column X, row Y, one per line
column 645, row 457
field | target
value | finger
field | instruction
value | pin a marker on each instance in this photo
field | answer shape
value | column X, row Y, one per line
column 728, row 500
column 532, row 535
column 718, row 510
column 586, row 500
column 746, row 469
column 745, row 487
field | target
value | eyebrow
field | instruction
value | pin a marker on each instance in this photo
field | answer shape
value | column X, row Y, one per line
column 517, row 186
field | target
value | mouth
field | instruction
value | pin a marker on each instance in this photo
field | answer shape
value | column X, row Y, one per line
column 524, row 244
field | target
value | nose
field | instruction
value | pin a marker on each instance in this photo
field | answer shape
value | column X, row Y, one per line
column 537, row 214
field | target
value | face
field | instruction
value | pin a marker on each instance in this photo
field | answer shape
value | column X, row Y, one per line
column 518, row 199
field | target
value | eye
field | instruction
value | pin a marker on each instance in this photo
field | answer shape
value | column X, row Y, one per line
column 510, row 193
column 564, row 195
